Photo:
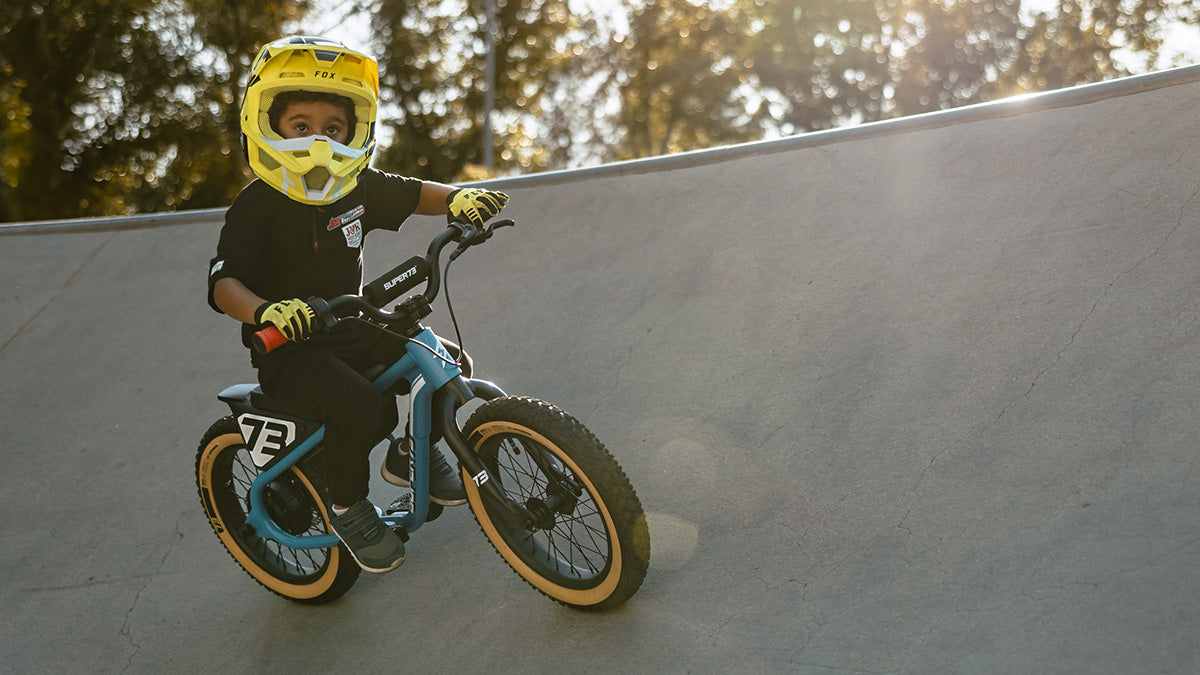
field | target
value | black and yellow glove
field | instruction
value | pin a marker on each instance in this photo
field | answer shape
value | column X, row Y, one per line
column 474, row 205
column 294, row 318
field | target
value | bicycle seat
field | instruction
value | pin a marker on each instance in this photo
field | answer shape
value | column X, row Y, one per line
column 252, row 395
column 261, row 400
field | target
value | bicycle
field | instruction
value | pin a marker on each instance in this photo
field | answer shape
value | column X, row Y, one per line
column 547, row 494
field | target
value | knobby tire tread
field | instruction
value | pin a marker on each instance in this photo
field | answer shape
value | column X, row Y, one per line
column 610, row 480
column 348, row 570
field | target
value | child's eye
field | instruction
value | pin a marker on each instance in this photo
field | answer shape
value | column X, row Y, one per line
column 301, row 127
column 333, row 131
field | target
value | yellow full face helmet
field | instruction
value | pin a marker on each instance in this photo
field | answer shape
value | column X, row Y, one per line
column 313, row 169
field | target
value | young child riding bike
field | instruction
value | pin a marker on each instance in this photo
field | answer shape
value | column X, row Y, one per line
column 297, row 232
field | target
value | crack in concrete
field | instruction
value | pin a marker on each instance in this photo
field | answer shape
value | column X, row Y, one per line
column 1104, row 294
column 633, row 347
column 616, row 383
column 70, row 278
column 1059, row 594
column 1058, row 356
column 127, row 627
column 1187, row 477
column 824, row 622
column 90, row 583
column 812, row 426
column 771, row 437
column 840, row 669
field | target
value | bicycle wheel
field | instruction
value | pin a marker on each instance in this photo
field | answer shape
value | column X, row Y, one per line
column 590, row 546
column 224, row 472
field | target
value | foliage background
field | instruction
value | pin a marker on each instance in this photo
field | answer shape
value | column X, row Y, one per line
column 121, row 106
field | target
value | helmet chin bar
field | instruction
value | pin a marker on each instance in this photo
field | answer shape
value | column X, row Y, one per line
column 320, row 155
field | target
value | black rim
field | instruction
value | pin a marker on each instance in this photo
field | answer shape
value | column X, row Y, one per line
column 290, row 505
column 570, row 546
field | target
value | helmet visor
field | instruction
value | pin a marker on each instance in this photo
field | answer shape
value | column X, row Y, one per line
column 292, row 146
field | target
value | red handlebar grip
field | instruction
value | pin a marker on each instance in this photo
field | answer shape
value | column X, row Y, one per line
column 267, row 339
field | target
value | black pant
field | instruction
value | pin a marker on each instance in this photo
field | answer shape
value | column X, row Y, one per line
column 322, row 379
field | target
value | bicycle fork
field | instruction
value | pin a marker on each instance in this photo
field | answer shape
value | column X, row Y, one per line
column 458, row 391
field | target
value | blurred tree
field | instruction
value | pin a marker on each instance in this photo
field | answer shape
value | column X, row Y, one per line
column 539, row 48
column 1081, row 42
column 433, row 75
column 112, row 106
column 817, row 63
column 413, row 40
column 15, row 139
column 89, row 90
column 225, row 37
column 116, row 106
column 946, row 53
column 821, row 63
column 678, row 81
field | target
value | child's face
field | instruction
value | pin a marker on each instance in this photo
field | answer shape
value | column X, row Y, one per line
column 302, row 119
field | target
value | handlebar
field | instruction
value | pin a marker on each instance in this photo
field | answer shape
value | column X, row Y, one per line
column 379, row 292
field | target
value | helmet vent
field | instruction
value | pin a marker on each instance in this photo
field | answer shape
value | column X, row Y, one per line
column 267, row 160
column 315, row 180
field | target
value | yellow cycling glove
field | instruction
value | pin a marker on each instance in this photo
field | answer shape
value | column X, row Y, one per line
column 474, row 205
column 294, row 318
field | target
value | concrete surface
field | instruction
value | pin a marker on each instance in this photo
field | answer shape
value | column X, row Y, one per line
column 922, row 400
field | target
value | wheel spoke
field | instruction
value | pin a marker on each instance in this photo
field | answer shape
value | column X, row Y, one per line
column 225, row 474
column 284, row 560
column 577, row 545
column 583, row 541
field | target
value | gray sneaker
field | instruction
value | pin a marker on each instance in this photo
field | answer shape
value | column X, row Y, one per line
column 372, row 543
column 445, row 486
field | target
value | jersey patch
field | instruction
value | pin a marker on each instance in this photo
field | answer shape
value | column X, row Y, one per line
column 353, row 233
column 356, row 212
column 217, row 267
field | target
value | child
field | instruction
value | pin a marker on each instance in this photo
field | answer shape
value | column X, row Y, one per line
column 308, row 130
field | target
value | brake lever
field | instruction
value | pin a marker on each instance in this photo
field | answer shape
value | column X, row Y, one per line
column 507, row 222
column 472, row 235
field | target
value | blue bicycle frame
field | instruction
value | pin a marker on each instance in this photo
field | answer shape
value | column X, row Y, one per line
column 427, row 366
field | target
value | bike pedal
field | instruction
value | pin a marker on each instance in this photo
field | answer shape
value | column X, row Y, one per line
column 401, row 504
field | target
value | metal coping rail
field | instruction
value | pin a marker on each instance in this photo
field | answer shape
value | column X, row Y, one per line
column 1017, row 105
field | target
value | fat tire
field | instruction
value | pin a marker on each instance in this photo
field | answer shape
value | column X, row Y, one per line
column 617, row 534
column 223, row 475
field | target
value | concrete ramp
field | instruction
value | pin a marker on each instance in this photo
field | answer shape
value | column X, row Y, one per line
column 920, row 397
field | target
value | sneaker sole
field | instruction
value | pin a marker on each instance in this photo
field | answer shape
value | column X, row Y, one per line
column 404, row 482
column 377, row 570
